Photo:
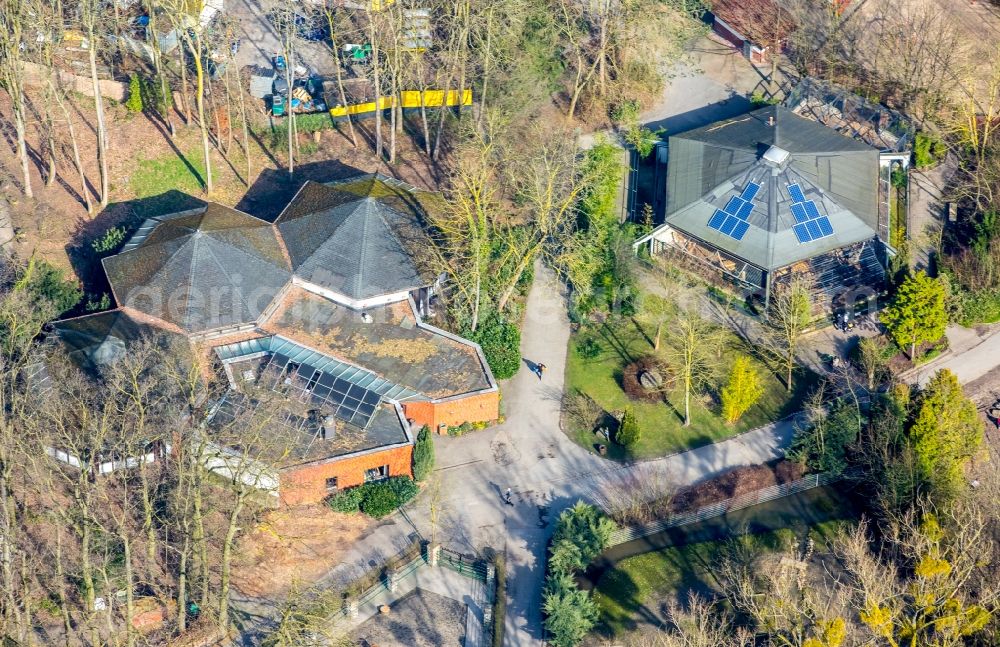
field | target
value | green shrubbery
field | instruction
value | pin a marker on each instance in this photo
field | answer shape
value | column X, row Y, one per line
column 928, row 150
column 501, row 344
column 423, row 454
column 375, row 499
column 588, row 348
column 379, row 502
column 109, row 241
column 500, row 599
column 46, row 281
column 628, row 432
column 135, row 93
column 582, row 533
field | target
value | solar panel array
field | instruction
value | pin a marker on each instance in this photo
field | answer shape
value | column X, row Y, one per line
column 348, row 402
column 732, row 220
column 810, row 224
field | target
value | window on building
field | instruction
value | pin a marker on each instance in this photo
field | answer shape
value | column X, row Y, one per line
column 377, row 474
column 331, row 484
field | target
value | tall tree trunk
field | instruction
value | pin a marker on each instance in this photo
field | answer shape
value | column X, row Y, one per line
column 61, row 590
column 102, row 130
column 227, row 559
column 22, row 146
column 340, row 77
column 84, row 190
column 185, row 103
column 200, row 104
column 166, row 100
column 246, row 130
column 378, row 95
column 182, row 572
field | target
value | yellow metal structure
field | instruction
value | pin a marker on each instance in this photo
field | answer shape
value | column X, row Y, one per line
column 408, row 99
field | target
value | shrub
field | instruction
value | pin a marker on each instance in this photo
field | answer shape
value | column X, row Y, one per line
column 461, row 429
column 501, row 344
column 499, row 600
column 97, row 305
column 158, row 96
column 423, row 454
column 135, row 92
column 759, row 100
column 588, row 348
column 403, row 487
column 743, row 389
column 581, row 534
column 570, row 612
column 379, row 501
column 927, row 150
column 47, row 282
column 628, row 432
column 347, row 501
column 109, row 241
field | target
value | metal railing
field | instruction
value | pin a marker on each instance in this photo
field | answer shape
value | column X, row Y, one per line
column 630, row 533
column 463, row 564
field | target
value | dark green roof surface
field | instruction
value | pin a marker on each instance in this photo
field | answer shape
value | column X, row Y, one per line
column 96, row 340
column 202, row 271
column 360, row 238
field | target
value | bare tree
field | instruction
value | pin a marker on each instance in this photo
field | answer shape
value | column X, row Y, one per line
column 789, row 315
column 693, row 353
column 13, row 17
column 91, row 16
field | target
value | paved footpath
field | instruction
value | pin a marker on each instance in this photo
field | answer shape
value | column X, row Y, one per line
column 547, row 472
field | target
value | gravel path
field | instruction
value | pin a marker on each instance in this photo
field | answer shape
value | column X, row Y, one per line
column 419, row 619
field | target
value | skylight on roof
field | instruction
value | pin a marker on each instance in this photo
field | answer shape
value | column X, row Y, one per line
column 776, row 156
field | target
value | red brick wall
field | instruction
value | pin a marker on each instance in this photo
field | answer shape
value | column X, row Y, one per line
column 307, row 484
column 482, row 407
column 723, row 30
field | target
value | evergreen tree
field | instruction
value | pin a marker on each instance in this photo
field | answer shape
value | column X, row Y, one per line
column 135, row 92
column 423, row 454
column 570, row 612
column 917, row 313
column 628, row 432
column 946, row 430
column 742, row 390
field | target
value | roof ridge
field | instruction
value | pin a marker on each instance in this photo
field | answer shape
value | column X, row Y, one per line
column 363, row 246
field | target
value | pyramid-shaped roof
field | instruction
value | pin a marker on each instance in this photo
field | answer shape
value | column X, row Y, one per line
column 360, row 238
column 97, row 340
column 201, row 270
column 710, row 166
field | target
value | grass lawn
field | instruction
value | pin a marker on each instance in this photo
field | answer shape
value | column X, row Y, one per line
column 624, row 341
column 632, row 593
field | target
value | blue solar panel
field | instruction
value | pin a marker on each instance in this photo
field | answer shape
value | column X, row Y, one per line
column 811, row 209
column 824, row 226
column 814, row 229
column 740, row 230
column 745, row 210
column 799, row 212
column 719, row 217
column 750, row 192
column 733, row 205
column 796, row 193
column 727, row 227
column 801, row 233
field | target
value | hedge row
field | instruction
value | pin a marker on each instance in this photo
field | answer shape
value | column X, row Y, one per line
column 375, row 499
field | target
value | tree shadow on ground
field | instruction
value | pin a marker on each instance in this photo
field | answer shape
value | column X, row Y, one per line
column 129, row 215
column 274, row 188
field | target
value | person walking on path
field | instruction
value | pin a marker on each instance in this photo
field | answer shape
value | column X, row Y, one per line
column 541, row 371
column 507, row 499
